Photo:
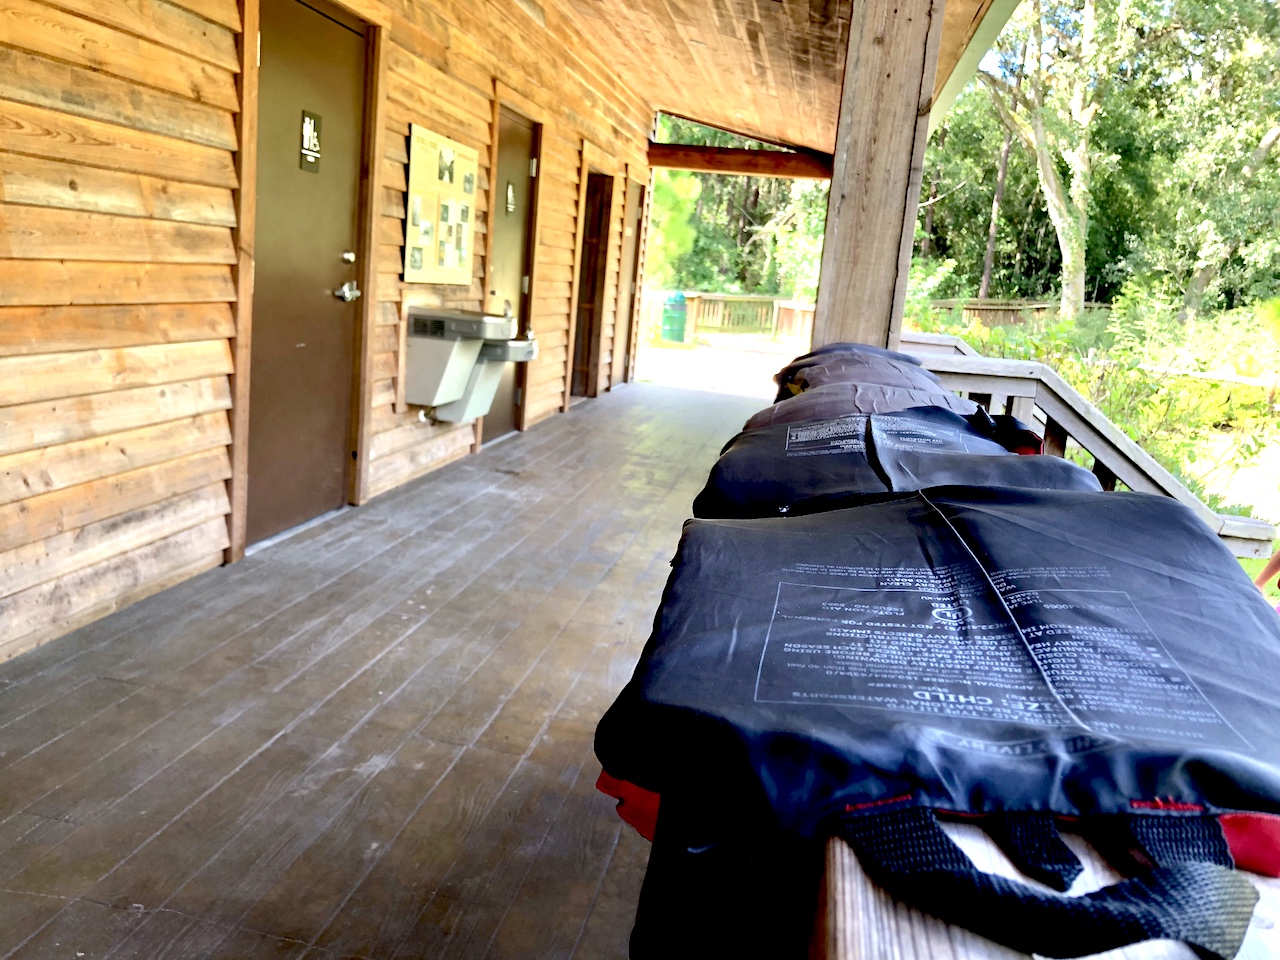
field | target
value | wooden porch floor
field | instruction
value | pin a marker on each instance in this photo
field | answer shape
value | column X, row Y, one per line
column 372, row 739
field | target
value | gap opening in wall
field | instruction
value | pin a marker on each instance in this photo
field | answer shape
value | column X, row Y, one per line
column 731, row 265
column 589, row 322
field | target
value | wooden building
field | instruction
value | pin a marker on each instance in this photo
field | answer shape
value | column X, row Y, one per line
column 160, row 410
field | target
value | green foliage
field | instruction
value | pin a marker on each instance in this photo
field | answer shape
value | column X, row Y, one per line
column 924, row 284
column 1155, row 378
column 960, row 167
column 1180, row 163
column 672, row 232
column 1254, row 567
column 730, row 234
column 797, row 230
column 1218, row 214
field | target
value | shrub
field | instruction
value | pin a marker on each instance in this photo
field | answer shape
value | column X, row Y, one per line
column 1173, row 388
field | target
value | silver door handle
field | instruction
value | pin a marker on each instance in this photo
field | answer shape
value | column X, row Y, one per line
column 347, row 292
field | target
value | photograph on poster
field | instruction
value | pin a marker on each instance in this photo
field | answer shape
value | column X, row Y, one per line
column 442, row 180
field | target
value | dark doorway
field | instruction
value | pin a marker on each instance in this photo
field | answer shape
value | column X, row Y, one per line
column 628, row 275
column 312, row 95
column 595, row 263
column 512, row 221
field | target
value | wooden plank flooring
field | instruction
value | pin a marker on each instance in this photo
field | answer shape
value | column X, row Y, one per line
column 372, row 739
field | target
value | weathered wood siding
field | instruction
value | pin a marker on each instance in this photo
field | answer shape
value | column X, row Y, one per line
column 558, row 200
column 117, row 270
column 444, row 60
column 117, row 143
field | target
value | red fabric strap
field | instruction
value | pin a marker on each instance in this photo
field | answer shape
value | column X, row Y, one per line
column 636, row 805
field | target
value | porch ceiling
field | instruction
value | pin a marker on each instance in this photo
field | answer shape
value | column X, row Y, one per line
column 766, row 68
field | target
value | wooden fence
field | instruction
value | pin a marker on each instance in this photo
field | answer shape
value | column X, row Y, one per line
column 996, row 313
column 731, row 313
column 739, row 313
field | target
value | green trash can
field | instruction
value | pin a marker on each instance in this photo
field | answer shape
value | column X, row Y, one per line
column 674, row 311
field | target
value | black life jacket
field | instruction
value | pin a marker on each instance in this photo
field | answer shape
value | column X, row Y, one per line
column 853, row 363
column 1020, row 657
column 796, row 468
column 845, row 399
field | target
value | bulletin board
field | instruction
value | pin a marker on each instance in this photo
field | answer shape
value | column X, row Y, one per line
column 440, row 209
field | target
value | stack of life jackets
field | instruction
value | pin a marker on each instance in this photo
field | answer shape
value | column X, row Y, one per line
column 884, row 618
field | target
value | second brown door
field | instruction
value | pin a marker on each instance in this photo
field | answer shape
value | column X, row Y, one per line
column 591, row 285
column 509, row 276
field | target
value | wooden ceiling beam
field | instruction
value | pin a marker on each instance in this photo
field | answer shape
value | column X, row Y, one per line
column 735, row 160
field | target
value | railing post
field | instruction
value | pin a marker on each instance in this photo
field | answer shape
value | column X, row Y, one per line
column 1055, row 438
column 1104, row 475
column 1024, row 408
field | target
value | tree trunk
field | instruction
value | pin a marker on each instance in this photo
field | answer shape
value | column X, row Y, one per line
column 1193, row 296
column 1071, row 306
column 1070, row 222
column 926, row 241
column 989, row 259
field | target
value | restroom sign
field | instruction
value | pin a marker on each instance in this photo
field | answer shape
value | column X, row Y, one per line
column 310, row 157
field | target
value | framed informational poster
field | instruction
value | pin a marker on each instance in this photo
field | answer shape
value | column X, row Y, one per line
column 440, row 215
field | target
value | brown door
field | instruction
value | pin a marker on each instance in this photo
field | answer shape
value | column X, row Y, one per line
column 595, row 250
column 512, row 219
column 311, row 93
column 628, row 269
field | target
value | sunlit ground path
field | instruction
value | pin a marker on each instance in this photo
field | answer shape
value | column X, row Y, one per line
column 742, row 364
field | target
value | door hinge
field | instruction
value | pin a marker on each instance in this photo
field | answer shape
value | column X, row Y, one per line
column 519, row 396
column 524, row 284
column 533, row 167
column 259, row 48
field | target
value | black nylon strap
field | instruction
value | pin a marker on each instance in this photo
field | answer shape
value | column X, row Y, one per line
column 1170, row 840
column 1131, row 843
column 1030, row 840
column 905, row 851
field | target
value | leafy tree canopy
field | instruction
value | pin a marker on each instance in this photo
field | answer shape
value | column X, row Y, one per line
column 733, row 234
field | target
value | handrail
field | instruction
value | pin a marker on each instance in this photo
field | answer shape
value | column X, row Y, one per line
column 1034, row 391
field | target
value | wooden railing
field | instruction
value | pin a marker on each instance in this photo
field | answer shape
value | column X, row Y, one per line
column 731, row 313
column 1035, row 393
column 1003, row 312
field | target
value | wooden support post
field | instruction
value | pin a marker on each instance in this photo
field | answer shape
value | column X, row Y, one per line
column 1055, row 438
column 879, row 158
